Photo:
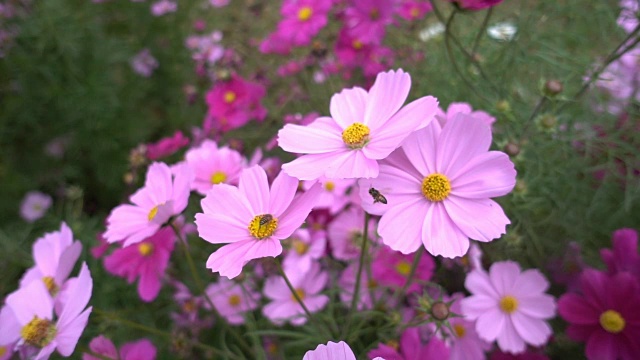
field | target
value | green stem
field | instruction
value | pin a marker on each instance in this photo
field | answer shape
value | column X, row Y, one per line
column 412, row 273
column 482, row 30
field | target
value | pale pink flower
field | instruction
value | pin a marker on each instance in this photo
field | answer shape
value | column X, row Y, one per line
column 438, row 188
column 411, row 347
column 34, row 205
column 509, row 305
column 232, row 300
column 163, row 7
column 212, row 165
column 284, row 306
column 162, row 196
column 334, row 195
column 142, row 349
column 34, row 326
column 306, row 246
column 345, row 233
column 252, row 218
column 465, row 343
column 463, row 108
column 219, row 3
column 143, row 63
column 368, row 19
column 365, row 127
column 331, row 351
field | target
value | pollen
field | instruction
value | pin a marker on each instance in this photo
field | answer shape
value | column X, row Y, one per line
column 300, row 247
column 403, row 268
column 459, row 330
column 3, row 350
column 263, row 226
column 436, row 187
column 218, row 177
column 51, row 285
column 357, row 44
column 38, row 332
column 329, row 186
column 229, row 96
column 301, row 294
column 508, row 304
column 145, row 249
column 234, row 300
column 305, row 13
column 356, row 135
column 612, row 321
column 152, row 213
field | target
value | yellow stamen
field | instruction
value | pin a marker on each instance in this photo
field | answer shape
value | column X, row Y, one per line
column 145, row 249
column 459, row 330
column 414, row 12
column 152, row 213
column 218, row 177
column 436, row 187
column 51, row 285
column 301, row 295
column 305, row 13
column 234, row 300
column 403, row 268
column 508, row 304
column 189, row 306
column 374, row 14
column 263, row 226
column 612, row 321
column 329, row 186
column 356, row 135
column 357, row 44
column 229, row 96
column 3, row 351
column 300, row 247
column 372, row 284
column 38, row 332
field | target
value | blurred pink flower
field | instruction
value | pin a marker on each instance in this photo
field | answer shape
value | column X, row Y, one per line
column 234, row 102
column 509, row 305
column 414, row 9
column 624, row 255
column 628, row 18
column 143, row 63
column 162, row 196
column 219, row 3
column 306, row 246
column 302, row 20
column 142, row 349
column 334, row 195
column 476, row 4
column 438, row 187
column 345, row 233
column 392, row 268
column 465, row 343
column 528, row 355
column 284, row 306
column 352, row 53
column 566, row 269
column 166, row 146
column 605, row 315
column 365, row 127
column 101, row 248
column 367, row 20
column 146, row 261
column 331, row 351
column 232, row 300
column 212, row 165
column 368, row 287
column 463, row 108
column 269, row 214
column 163, row 7
column 412, row 348
column 34, row 205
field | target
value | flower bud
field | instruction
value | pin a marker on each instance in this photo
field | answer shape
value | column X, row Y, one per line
column 552, row 88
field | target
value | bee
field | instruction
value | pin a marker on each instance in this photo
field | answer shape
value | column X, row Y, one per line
column 318, row 50
column 377, row 196
column 264, row 220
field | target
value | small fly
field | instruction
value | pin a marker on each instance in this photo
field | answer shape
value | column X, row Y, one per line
column 264, row 220
column 377, row 196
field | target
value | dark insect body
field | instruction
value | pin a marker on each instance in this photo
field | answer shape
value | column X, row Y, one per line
column 377, row 196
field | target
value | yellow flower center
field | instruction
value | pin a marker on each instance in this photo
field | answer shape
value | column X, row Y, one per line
column 357, row 44
column 374, row 14
column 38, row 332
column 229, row 97
column 403, row 268
column 300, row 247
column 263, row 226
column 414, row 12
column 189, row 306
column 508, row 304
column 305, row 13
column 51, row 285
column 272, row 348
column 152, row 213
column 436, row 187
column 145, row 249
column 356, row 135
column 3, row 350
column 612, row 321
column 218, row 177
column 301, row 294
column 329, row 186
column 393, row 344
column 372, row 284
column 459, row 330
column 234, row 300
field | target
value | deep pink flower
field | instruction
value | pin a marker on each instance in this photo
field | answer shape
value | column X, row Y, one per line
column 476, row 4
column 166, row 146
column 352, row 53
column 411, row 348
column 365, row 127
column 252, row 217
column 146, row 261
column 162, row 196
column 275, row 43
column 509, row 305
column 142, row 349
column 463, row 108
column 392, row 268
column 414, row 9
column 306, row 246
column 624, row 255
column 605, row 315
column 284, row 306
column 34, row 205
column 234, row 102
column 438, row 188
column 232, row 300
column 368, row 288
column 302, row 20
column 212, row 165
column 345, row 233
column 529, row 355
column 331, row 351
column 367, row 20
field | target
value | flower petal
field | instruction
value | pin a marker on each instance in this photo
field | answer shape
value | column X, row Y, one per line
column 221, row 229
column 462, row 138
column 386, row 96
column 309, row 139
column 479, row 283
column 401, row 226
column 490, row 325
column 540, row 306
column 487, row 175
column 530, row 282
column 297, row 212
column 255, row 186
column 534, row 331
column 509, row 340
column 352, row 164
column 348, row 106
column 69, row 334
column 227, row 200
column 440, row 235
column 420, row 149
column 574, row 309
column 503, row 276
column 481, row 219
column 283, row 190
column 311, row 167
column 476, row 306
column 230, row 259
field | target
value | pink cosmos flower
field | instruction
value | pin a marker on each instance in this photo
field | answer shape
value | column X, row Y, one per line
column 509, row 305
column 284, row 306
column 605, row 315
column 438, row 188
column 414, row 9
column 624, row 255
column 34, row 205
column 463, row 108
column 188, row 314
column 332, row 351
column 465, row 343
column 219, row 3
column 212, row 165
column 232, row 300
column 302, row 20
column 206, row 49
column 142, row 349
column 370, row 292
column 334, row 195
column 352, row 53
column 163, row 7
column 234, row 102
column 162, row 196
column 275, row 43
column 166, row 146
column 367, row 19
column 345, row 233
column 306, row 246
column 365, row 127
column 392, row 268
column 411, row 347
column 252, row 217
column 143, row 63
column 34, row 325
column 628, row 20
column 146, row 261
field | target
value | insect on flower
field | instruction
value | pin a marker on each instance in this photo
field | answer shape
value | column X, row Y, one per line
column 264, row 220
column 377, row 196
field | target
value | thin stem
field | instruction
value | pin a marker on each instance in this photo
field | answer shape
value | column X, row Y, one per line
column 412, row 273
column 482, row 30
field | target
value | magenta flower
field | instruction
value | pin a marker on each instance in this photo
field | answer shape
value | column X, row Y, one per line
column 302, row 20
column 605, row 315
column 624, row 255
column 463, row 108
column 345, row 233
column 146, row 261
column 392, row 268
column 232, row 300
column 252, row 217
column 212, row 165
column 365, row 127
column 438, row 188
column 331, row 351
column 34, row 205
column 367, row 19
column 529, row 355
column 142, row 349
column 352, row 53
column 166, row 146
column 234, row 102
column 368, row 288
column 509, row 305
column 306, row 246
column 284, row 306
column 411, row 347
column 34, row 324
column 414, row 9
column 162, row 196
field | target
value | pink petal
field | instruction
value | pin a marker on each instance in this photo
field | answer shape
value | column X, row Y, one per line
column 78, row 299
column 138, row 350
column 420, row 149
column 487, row 175
column 352, row 164
column 479, row 283
column 221, row 229
column 481, row 219
column 602, row 345
column 535, row 332
column 440, row 235
column 68, row 335
column 490, row 325
column 149, row 284
column 311, row 167
column 575, row 309
column 159, row 182
column 181, row 187
column 67, row 261
column 309, row 139
column 348, row 107
column 401, row 226
column 229, row 259
column 476, row 306
column 283, row 190
column 530, row 282
column 503, row 276
column 255, row 186
column 509, row 340
column 385, row 97
column 540, row 306
column 103, row 346
column 316, row 303
column 9, row 326
column 228, row 200
column 331, row 351
column 462, row 139
column 275, row 288
column 46, row 351
column 22, row 303
column 297, row 212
